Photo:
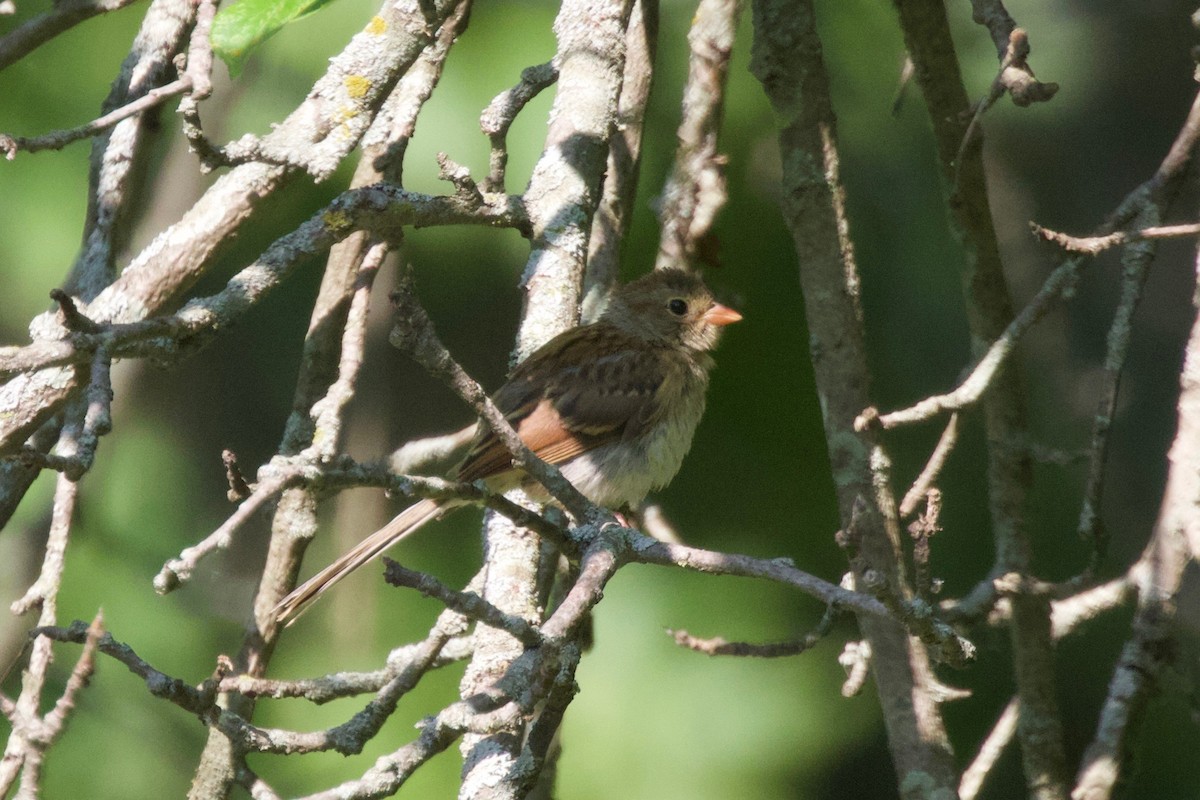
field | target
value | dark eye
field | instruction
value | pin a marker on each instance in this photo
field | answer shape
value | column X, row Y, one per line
column 677, row 307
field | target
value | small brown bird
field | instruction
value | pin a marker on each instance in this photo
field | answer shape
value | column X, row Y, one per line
column 614, row 404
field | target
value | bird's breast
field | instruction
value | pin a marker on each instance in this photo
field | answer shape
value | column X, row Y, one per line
column 623, row 472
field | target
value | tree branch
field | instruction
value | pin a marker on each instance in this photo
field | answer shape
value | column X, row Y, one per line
column 1173, row 546
column 695, row 191
column 787, row 60
column 20, row 42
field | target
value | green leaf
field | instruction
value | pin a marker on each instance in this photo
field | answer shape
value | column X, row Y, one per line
column 240, row 28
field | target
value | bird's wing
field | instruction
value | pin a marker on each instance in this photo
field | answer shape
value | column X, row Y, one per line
column 578, row 392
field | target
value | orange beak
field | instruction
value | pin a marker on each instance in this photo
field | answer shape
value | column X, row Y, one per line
column 720, row 315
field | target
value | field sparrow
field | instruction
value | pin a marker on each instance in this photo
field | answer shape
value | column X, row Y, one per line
column 614, row 404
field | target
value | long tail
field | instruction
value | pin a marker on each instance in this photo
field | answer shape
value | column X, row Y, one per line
column 404, row 523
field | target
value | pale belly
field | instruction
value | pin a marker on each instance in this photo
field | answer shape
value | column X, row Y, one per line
column 622, row 473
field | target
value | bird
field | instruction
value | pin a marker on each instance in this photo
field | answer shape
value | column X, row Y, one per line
column 614, row 404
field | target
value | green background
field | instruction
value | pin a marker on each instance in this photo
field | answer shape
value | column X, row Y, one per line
column 652, row 720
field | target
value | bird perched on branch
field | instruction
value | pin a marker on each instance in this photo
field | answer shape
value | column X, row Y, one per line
column 613, row 404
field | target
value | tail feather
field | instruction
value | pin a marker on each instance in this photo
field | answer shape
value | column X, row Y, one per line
column 407, row 521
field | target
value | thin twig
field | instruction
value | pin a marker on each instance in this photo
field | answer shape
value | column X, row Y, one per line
column 72, row 318
column 24, row 751
column 343, row 474
column 438, row 732
column 1014, row 78
column 498, row 117
column 651, row 551
column 982, row 377
column 465, row 187
column 1156, row 190
column 178, row 570
column 1136, row 260
column 1007, row 37
column 62, row 16
column 327, row 414
column 57, row 140
column 933, row 468
column 346, row 738
column 348, row 684
column 199, row 70
column 1069, row 613
column 989, row 752
column 239, row 489
column 922, row 530
column 787, row 59
column 719, row 646
column 1159, row 575
column 380, row 206
column 611, row 223
column 85, row 665
column 1094, row 245
column 695, row 192
column 469, row 604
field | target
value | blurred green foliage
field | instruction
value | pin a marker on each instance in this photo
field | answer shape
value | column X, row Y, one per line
column 244, row 25
column 651, row 721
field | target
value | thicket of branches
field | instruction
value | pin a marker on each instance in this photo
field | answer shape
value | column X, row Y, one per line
column 522, row 623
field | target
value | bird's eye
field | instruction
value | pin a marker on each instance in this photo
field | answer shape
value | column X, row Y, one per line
column 677, row 307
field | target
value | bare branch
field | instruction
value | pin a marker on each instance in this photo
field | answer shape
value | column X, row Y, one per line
column 1094, row 245
column 1060, row 282
column 611, row 224
column 380, row 207
column 63, row 16
column 347, row 738
column 498, row 117
column 179, row 570
column 1016, row 79
column 331, row 361
column 57, row 140
column 719, row 646
column 787, row 60
column 159, row 275
column 1173, row 546
column 1070, row 612
column 239, row 489
column 85, row 665
column 468, row 604
column 922, row 530
column 348, row 684
column 27, row 742
column 529, row 771
column 1136, row 260
column 390, row 772
column 989, row 752
column 984, row 374
column 933, row 468
column 283, row 474
column 695, row 192
column 651, row 551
